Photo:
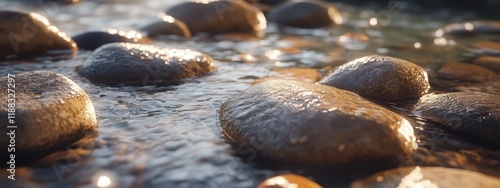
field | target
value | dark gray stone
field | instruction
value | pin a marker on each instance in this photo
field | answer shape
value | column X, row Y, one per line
column 297, row 122
column 137, row 64
column 305, row 14
column 51, row 111
column 472, row 113
column 428, row 177
column 31, row 35
column 167, row 25
column 92, row 40
column 219, row 17
column 380, row 77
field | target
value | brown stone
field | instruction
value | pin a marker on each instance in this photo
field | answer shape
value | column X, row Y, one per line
column 466, row 72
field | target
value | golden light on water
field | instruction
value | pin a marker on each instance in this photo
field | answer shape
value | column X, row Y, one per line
column 273, row 54
column 289, row 181
column 104, row 181
column 406, row 130
column 469, row 26
column 417, row 45
column 416, row 180
column 335, row 16
column 136, row 36
column 373, row 21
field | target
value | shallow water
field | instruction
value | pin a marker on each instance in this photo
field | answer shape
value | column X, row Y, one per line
column 168, row 136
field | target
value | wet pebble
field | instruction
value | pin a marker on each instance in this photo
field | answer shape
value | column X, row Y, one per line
column 297, row 122
column 220, row 16
column 137, row 64
column 468, row 28
column 300, row 74
column 489, row 62
column 288, row 181
column 167, row 25
column 305, row 14
column 91, row 40
column 466, row 72
column 51, row 111
column 380, row 77
column 31, row 35
column 428, row 177
column 488, row 47
column 471, row 113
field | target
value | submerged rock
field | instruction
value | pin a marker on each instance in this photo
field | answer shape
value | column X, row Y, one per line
column 220, row 16
column 51, row 111
column 288, row 181
column 297, row 122
column 137, row 64
column 472, row 113
column 31, row 35
column 466, row 72
column 305, row 14
column 92, row 40
column 468, row 28
column 380, row 77
column 166, row 26
column 427, row 177
column 489, row 62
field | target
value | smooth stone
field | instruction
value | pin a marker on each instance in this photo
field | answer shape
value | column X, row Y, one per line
column 489, row 62
column 312, row 124
column 31, row 35
column 272, row 2
column 305, row 14
column 466, row 72
column 138, row 64
column 51, row 112
column 468, row 28
column 427, row 177
column 288, row 181
column 91, row 40
column 219, row 17
column 472, row 113
column 380, row 77
column 168, row 25
column 488, row 47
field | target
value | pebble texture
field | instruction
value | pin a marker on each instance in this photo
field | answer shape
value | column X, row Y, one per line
column 137, row 64
column 472, row 113
column 380, row 77
column 297, row 122
column 305, row 14
column 219, row 17
column 427, row 177
column 51, row 111
column 31, row 35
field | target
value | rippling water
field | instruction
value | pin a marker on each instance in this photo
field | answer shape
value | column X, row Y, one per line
column 168, row 136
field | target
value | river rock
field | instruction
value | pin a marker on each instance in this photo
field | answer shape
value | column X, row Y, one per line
column 313, row 124
column 137, row 64
column 488, row 47
column 466, row 72
column 288, row 181
column 427, row 177
column 168, row 25
column 29, row 35
column 219, row 17
column 472, row 113
column 91, row 40
column 51, row 111
column 469, row 28
column 380, row 77
column 305, row 14
column 489, row 62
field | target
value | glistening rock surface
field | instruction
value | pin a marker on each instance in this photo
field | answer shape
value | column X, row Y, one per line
column 51, row 111
column 305, row 14
column 92, row 40
column 166, row 26
column 220, row 16
column 137, row 64
column 472, row 113
column 380, row 77
column 428, row 177
column 297, row 122
column 31, row 35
